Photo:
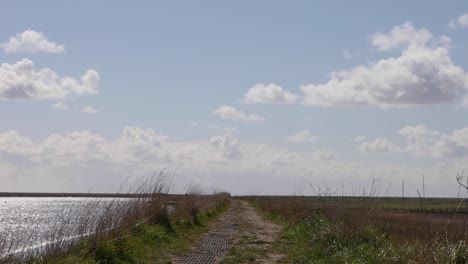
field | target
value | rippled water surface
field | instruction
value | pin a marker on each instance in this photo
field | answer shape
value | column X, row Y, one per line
column 27, row 222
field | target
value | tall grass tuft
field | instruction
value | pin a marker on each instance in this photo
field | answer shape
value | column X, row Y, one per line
column 327, row 228
column 102, row 223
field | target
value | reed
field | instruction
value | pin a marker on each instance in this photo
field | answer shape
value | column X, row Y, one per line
column 101, row 220
column 363, row 229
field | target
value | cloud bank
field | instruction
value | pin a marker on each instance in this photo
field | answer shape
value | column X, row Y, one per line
column 424, row 142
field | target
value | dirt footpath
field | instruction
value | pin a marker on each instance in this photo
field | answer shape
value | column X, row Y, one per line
column 239, row 236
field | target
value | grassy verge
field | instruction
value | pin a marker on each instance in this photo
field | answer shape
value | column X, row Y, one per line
column 145, row 228
column 338, row 233
column 316, row 239
column 144, row 243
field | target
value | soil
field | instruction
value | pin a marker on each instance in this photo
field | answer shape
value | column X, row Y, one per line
column 240, row 235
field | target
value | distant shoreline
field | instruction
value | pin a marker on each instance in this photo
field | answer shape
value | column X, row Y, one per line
column 90, row 195
column 130, row 195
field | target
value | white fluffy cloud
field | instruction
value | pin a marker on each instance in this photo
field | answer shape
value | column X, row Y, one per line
column 227, row 145
column 134, row 145
column 423, row 74
column 269, row 94
column 80, row 160
column 72, row 147
column 31, row 41
column 143, row 147
column 303, row 136
column 381, row 145
column 13, row 143
column 222, row 159
column 226, row 112
column 401, row 36
column 87, row 85
column 461, row 21
column 21, row 81
column 424, row 142
column 139, row 138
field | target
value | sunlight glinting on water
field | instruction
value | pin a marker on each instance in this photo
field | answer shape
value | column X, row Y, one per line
column 28, row 223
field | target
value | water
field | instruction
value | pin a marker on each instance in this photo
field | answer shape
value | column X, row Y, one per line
column 29, row 222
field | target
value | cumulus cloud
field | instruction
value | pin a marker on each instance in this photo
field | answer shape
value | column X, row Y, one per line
column 424, row 142
column 227, row 145
column 145, row 147
column 269, row 94
column 401, row 36
column 21, row 81
column 88, row 84
column 134, row 145
column 423, row 74
column 461, row 21
column 136, row 137
column 13, row 143
column 226, row 112
column 139, row 144
column 73, row 146
column 60, row 105
column 381, row 145
column 79, row 160
column 31, row 41
column 88, row 109
column 303, row 136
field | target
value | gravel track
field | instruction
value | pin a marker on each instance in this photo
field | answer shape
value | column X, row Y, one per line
column 215, row 244
column 241, row 229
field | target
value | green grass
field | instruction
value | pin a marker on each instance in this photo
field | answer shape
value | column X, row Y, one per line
column 337, row 233
column 315, row 240
column 144, row 243
column 243, row 255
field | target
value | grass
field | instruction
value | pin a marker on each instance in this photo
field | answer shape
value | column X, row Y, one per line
column 244, row 255
column 144, row 243
column 315, row 238
column 334, row 230
column 153, row 226
column 143, row 229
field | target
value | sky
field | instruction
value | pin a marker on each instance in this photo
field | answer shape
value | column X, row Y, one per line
column 249, row 97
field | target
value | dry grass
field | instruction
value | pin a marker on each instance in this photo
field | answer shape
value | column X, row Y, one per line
column 109, row 219
column 420, row 237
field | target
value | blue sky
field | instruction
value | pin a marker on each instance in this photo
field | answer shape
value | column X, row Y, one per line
column 250, row 97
